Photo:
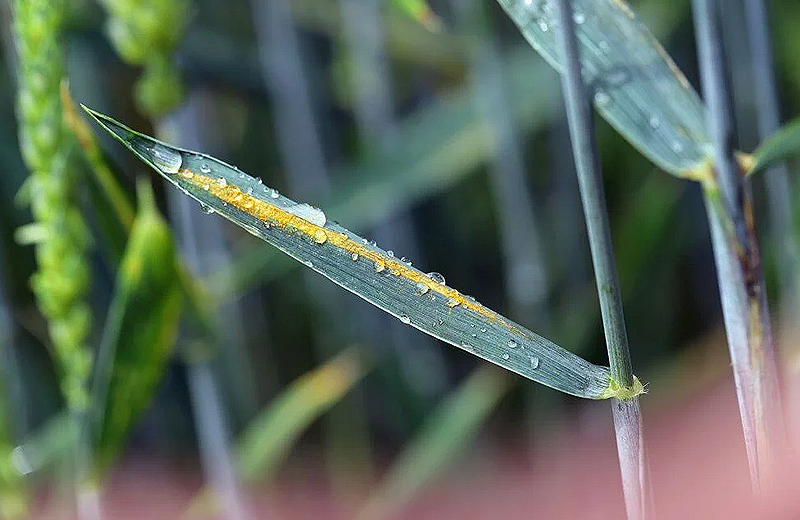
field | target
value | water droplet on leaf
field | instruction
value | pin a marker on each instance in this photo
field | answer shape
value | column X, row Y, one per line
column 405, row 319
column 436, row 277
column 205, row 168
column 165, row 159
column 421, row 288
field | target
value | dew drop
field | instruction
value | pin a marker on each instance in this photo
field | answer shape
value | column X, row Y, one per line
column 379, row 265
column 421, row 288
column 601, row 98
column 655, row 122
column 208, row 210
column 506, row 356
column 373, row 243
column 534, row 363
column 466, row 346
column 354, row 257
column 512, row 343
column 187, row 174
column 451, row 302
column 222, row 182
column 165, row 159
column 205, row 168
column 320, row 236
column 273, row 193
column 483, row 329
column 309, row 213
column 206, row 186
column 436, row 277
column 579, row 18
column 405, row 319
column 390, row 253
column 677, row 147
column 543, row 26
column 405, row 261
column 474, row 335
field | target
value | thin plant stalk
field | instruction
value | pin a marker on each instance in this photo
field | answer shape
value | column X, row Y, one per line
column 627, row 415
column 778, row 187
column 739, row 274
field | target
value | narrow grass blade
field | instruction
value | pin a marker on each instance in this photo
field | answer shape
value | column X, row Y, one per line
column 780, row 146
column 140, row 329
column 267, row 439
column 304, row 233
column 636, row 87
column 449, row 430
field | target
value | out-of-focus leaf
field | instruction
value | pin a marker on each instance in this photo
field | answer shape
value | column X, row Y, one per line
column 140, row 329
column 782, row 145
column 420, row 11
column 120, row 201
column 433, row 149
column 417, row 299
column 268, row 438
column 406, row 40
column 431, row 452
column 635, row 85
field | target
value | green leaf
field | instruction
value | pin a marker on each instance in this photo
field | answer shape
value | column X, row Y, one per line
column 420, row 11
column 635, row 85
column 452, row 425
column 780, row 146
column 305, row 233
column 140, row 329
column 267, row 439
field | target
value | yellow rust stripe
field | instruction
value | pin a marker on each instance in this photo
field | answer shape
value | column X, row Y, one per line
column 274, row 216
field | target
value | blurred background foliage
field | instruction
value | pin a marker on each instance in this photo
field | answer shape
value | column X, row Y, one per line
column 382, row 120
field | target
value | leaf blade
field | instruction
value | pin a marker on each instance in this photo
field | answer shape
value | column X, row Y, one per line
column 304, row 233
column 635, row 85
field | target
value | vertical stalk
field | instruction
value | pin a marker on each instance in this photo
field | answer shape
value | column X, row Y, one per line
column 627, row 415
column 779, row 193
column 741, row 281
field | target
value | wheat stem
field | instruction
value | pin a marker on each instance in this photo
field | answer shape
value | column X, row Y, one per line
column 741, row 281
column 627, row 416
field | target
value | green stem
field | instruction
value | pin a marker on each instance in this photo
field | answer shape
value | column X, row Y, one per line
column 739, row 274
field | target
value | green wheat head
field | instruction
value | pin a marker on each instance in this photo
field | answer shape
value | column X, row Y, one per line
column 59, row 231
column 146, row 32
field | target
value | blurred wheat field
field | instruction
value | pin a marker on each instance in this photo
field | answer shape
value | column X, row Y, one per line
column 165, row 364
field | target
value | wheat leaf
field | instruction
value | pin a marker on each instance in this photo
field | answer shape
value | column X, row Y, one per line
column 635, row 85
column 417, row 299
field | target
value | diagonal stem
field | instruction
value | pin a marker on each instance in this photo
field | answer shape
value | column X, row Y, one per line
column 627, row 415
